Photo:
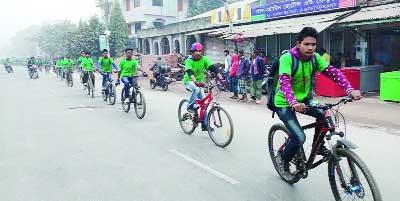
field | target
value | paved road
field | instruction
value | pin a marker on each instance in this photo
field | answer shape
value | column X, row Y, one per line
column 56, row 143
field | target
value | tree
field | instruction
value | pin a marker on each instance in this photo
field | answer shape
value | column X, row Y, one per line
column 23, row 43
column 54, row 38
column 119, row 39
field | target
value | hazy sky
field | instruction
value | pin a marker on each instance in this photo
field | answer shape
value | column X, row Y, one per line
column 18, row 14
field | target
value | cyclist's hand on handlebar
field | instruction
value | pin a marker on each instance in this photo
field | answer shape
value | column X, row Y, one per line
column 299, row 107
column 356, row 95
column 199, row 84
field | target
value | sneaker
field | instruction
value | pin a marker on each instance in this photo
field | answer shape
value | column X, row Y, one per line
column 283, row 166
column 190, row 110
column 258, row 102
column 234, row 97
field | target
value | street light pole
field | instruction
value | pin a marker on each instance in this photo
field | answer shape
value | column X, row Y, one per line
column 226, row 4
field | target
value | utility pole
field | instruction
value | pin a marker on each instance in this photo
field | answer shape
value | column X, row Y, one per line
column 226, row 4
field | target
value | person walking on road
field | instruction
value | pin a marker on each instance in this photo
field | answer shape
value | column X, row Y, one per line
column 242, row 74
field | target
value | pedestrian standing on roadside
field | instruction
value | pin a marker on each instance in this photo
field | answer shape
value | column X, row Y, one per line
column 233, row 84
column 263, row 56
column 257, row 70
column 228, row 64
column 242, row 74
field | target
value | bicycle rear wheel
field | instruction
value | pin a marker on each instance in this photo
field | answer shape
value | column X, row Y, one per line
column 140, row 104
column 91, row 87
column 186, row 120
column 277, row 138
column 220, row 126
column 112, row 95
column 126, row 104
column 358, row 180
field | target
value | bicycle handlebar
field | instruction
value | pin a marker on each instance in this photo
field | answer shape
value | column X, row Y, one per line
column 329, row 106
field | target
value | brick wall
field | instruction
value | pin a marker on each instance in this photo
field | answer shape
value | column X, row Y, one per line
column 170, row 60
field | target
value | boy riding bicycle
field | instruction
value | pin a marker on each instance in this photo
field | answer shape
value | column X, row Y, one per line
column 293, row 92
column 195, row 67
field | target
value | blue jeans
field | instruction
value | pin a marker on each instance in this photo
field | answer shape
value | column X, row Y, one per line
column 233, row 84
column 128, row 82
column 197, row 93
column 228, row 80
column 106, row 77
column 296, row 133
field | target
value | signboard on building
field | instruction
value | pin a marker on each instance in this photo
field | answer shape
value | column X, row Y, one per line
column 238, row 15
column 294, row 7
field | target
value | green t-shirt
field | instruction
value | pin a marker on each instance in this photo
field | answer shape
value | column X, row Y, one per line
column 128, row 68
column 198, row 67
column 301, row 81
column 80, row 59
column 106, row 64
column 60, row 64
column 68, row 64
column 87, row 64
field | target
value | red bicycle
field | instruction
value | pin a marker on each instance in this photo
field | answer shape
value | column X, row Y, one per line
column 219, row 122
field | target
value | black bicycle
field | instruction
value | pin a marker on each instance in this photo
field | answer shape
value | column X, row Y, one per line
column 69, row 79
column 110, row 92
column 137, row 98
column 89, row 84
column 349, row 177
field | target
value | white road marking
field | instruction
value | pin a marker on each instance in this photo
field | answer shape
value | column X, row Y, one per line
column 53, row 91
column 205, row 167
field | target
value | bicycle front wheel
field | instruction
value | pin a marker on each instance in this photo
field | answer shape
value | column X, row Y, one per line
column 112, row 95
column 350, row 178
column 126, row 103
column 220, row 126
column 140, row 104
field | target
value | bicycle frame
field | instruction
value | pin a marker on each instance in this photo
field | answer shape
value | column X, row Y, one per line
column 204, row 103
column 326, row 125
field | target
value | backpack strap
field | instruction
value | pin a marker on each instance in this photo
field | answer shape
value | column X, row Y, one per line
column 295, row 65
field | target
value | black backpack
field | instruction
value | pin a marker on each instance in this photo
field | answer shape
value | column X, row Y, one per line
column 273, row 78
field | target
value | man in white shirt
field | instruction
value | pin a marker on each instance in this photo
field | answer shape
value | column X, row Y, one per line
column 228, row 65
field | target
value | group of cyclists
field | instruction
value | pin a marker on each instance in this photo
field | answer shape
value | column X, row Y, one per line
column 293, row 91
column 127, row 69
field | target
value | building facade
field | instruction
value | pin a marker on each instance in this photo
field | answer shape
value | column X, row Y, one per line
column 146, row 14
column 364, row 32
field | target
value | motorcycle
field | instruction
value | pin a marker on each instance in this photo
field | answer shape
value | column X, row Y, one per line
column 178, row 72
column 9, row 68
column 33, row 72
column 162, row 80
column 264, row 85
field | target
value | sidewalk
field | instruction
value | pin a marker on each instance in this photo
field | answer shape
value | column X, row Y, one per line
column 368, row 112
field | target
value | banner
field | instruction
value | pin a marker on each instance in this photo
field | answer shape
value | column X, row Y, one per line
column 103, row 42
column 294, row 7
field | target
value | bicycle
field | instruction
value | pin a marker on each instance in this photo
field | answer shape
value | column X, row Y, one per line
column 110, row 92
column 217, row 117
column 339, row 156
column 137, row 98
column 69, row 78
column 89, row 84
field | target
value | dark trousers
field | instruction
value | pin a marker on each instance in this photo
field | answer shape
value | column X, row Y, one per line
column 296, row 133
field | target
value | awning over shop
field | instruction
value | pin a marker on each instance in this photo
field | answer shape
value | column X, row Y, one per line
column 373, row 15
column 292, row 25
